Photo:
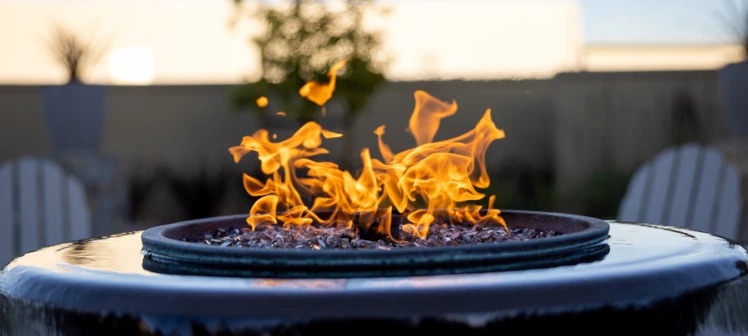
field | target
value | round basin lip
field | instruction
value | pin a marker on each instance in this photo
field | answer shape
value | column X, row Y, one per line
column 642, row 270
column 155, row 239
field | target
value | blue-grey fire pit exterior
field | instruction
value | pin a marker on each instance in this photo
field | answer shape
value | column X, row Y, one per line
column 653, row 279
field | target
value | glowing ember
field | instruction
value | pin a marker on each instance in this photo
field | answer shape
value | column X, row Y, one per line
column 262, row 101
column 434, row 180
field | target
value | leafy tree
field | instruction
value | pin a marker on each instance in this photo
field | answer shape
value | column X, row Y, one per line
column 301, row 41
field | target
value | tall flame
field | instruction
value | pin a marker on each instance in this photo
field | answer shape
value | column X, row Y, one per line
column 442, row 174
column 431, row 181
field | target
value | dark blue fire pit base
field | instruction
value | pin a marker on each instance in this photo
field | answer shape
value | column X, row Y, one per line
column 718, row 310
column 655, row 280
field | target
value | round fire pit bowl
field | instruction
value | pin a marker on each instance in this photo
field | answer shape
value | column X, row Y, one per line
column 172, row 249
column 654, row 280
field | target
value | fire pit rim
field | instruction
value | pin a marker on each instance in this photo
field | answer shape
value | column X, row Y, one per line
column 585, row 243
column 155, row 237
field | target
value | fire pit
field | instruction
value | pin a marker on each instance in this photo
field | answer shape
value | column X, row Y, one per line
column 659, row 279
column 172, row 249
column 403, row 245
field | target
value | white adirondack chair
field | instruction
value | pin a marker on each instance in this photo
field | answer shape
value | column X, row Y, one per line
column 40, row 205
column 688, row 186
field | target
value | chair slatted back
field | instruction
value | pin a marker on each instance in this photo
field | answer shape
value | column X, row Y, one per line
column 688, row 186
column 40, row 205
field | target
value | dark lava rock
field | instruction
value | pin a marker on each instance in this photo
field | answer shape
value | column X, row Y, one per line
column 324, row 237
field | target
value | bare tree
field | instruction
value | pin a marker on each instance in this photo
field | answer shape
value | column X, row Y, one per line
column 736, row 21
column 74, row 52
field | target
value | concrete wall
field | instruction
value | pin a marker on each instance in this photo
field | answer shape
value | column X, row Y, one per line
column 185, row 125
column 616, row 121
column 575, row 124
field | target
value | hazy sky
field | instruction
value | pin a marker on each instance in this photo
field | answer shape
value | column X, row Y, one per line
column 640, row 21
column 190, row 40
column 630, row 21
column 658, row 21
column 165, row 41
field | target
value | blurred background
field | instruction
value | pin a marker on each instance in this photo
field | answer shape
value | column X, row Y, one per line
column 141, row 99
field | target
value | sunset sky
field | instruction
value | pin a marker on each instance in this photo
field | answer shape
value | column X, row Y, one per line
column 192, row 41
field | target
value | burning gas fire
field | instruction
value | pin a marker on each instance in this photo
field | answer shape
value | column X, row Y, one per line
column 431, row 181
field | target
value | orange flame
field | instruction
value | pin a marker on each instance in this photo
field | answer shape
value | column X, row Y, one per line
column 320, row 93
column 431, row 181
column 428, row 113
column 442, row 174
